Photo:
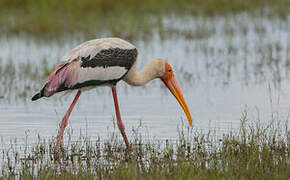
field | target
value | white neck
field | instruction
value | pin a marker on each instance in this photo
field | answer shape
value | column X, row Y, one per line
column 154, row 69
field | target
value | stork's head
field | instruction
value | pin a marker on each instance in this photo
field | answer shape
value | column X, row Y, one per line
column 170, row 82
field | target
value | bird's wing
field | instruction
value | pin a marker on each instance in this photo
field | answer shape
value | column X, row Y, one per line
column 92, row 63
column 93, row 47
column 102, row 61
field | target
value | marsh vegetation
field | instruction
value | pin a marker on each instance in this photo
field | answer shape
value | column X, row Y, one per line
column 128, row 19
column 255, row 152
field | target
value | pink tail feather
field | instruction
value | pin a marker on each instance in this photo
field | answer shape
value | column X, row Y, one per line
column 59, row 80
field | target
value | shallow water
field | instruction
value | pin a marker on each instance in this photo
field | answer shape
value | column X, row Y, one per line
column 225, row 67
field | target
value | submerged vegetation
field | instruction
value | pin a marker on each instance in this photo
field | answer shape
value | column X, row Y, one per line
column 248, row 53
column 255, row 152
column 17, row 80
column 120, row 18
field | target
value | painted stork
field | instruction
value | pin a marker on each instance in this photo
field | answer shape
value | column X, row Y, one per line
column 102, row 62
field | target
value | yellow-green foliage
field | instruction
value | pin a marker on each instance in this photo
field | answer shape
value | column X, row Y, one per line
column 41, row 17
column 153, row 6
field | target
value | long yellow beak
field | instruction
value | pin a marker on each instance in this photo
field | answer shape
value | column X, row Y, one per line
column 172, row 85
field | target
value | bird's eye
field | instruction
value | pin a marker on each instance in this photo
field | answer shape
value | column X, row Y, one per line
column 169, row 70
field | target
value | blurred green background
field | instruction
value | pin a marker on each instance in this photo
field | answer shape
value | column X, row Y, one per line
column 126, row 18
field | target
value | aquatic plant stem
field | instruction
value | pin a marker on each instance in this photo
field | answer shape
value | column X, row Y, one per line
column 64, row 121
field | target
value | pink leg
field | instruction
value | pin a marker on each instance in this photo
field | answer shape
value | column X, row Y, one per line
column 119, row 120
column 64, row 121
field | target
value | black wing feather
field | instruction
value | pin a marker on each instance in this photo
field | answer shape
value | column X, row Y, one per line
column 111, row 57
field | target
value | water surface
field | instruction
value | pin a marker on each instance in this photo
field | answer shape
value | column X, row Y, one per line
column 225, row 67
